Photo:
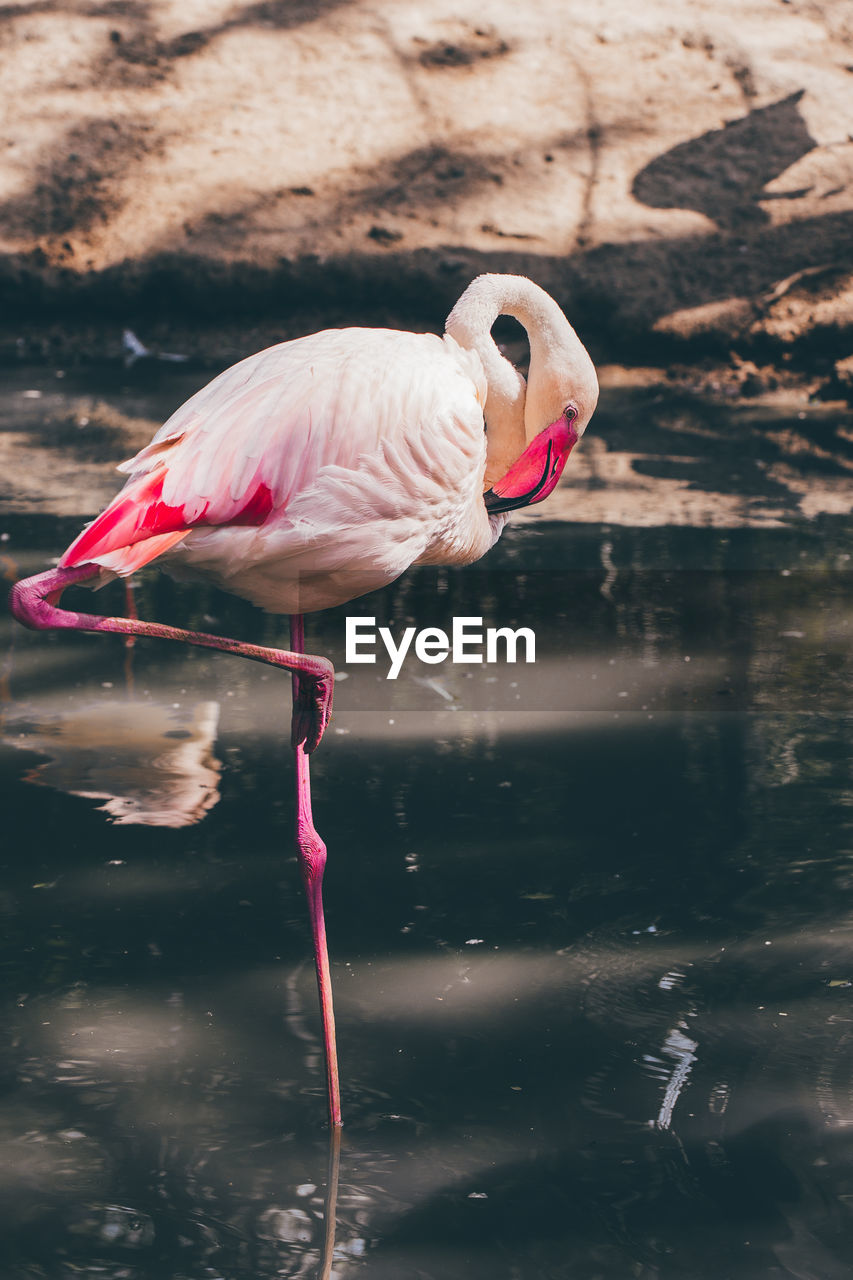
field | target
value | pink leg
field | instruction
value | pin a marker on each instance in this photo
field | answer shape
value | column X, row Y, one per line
column 312, row 862
column 35, row 601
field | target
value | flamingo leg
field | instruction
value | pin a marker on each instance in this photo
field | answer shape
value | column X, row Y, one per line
column 35, row 603
column 312, row 863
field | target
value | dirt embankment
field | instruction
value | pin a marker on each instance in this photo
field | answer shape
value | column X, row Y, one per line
column 679, row 175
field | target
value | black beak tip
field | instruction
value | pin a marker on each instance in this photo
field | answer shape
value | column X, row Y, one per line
column 495, row 503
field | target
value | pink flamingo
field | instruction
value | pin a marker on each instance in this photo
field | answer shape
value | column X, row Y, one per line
column 320, row 469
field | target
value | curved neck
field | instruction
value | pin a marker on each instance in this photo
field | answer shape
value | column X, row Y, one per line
column 470, row 324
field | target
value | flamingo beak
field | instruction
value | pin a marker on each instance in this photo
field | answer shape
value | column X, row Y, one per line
column 535, row 474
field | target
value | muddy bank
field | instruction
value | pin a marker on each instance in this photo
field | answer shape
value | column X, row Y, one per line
column 680, row 178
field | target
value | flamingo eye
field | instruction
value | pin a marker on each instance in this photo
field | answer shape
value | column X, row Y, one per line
column 570, row 413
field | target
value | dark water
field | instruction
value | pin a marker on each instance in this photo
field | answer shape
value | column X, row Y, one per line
column 590, row 923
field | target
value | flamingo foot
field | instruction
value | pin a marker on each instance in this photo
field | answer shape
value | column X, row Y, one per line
column 312, row 708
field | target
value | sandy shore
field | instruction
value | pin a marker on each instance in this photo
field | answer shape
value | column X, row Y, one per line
column 679, row 175
column 217, row 176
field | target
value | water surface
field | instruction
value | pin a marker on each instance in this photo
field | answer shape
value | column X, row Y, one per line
column 589, row 920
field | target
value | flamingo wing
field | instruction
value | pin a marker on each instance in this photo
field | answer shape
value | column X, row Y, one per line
column 322, row 433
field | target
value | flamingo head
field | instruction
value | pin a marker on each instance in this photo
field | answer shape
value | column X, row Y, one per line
column 533, row 476
column 565, row 400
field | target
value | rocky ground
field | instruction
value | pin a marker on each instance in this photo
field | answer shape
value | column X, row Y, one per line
column 679, row 175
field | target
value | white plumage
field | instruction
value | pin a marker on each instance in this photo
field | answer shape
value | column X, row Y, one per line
column 321, row 468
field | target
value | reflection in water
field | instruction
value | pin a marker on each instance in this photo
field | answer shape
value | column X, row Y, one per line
column 590, row 929
column 681, row 1050
column 294, row 1227
column 152, row 765
column 330, row 1207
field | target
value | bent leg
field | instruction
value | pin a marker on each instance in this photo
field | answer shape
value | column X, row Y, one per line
column 35, row 603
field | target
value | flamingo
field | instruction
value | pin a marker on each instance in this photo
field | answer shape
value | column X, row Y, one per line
column 320, row 469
